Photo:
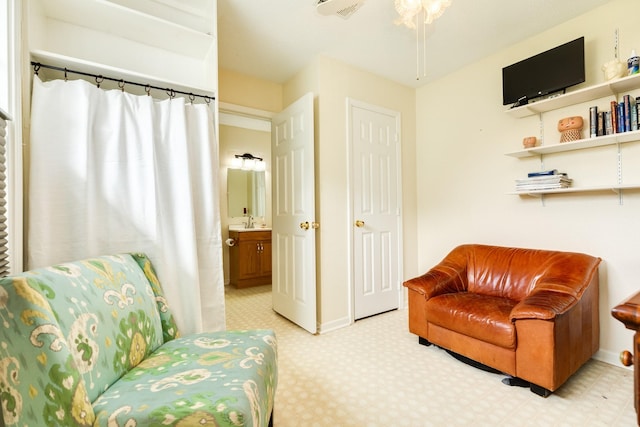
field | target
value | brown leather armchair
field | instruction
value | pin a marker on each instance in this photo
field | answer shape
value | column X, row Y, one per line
column 529, row 313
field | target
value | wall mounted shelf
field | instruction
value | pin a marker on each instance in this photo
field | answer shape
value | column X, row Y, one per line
column 112, row 18
column 600, row 141
column 611, row 88
column 168, row 41
column 590, row 93
column 616, row 188
column 58, row 60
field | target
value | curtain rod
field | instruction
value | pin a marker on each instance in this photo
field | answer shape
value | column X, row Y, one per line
column 121, row 82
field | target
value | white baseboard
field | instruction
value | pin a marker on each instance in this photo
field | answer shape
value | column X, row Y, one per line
column 323, row 328
column 611, row 358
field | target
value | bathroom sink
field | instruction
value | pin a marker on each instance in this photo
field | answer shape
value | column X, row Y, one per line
column 241, row 227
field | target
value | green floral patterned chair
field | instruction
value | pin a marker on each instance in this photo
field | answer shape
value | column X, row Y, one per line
column 93, row 342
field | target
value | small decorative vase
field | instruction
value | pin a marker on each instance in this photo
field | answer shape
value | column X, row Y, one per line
column 570, row 128
column 529, row 141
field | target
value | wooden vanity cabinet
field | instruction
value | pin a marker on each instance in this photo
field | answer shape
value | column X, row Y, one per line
column 250, row 258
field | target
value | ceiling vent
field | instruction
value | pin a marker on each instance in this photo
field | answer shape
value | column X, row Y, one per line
column 343, row 8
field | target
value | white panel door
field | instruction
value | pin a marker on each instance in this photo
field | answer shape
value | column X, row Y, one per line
column 375, row 191
column 294, row 226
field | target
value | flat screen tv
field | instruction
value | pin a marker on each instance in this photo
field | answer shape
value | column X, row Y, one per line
column 543, row 74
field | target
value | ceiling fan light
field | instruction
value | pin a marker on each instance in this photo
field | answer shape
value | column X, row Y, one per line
column 434, row 9
column 407, row 9
column 410, row 4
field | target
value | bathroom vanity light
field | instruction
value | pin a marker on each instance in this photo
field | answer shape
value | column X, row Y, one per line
column 248, row 161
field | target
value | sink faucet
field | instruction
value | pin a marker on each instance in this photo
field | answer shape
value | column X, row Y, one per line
column 249, row 223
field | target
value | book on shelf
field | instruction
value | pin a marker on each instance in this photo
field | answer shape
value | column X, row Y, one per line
column 621, row 120
column 543, row 173
column 626, row 105
column 620, row 117
column 593, row 121
column 541, row 187
column 561, row 178
column 544, row 182
column 608, row 124
column 601, row 125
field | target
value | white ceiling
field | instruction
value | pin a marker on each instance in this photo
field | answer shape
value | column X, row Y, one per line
column 274, row 39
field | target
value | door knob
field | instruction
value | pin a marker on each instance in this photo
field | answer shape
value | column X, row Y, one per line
column 304, row 225
column 359, row 223
column 626, row 358
column 315, row 225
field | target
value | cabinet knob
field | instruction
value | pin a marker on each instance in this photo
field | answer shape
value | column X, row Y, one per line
column 626, row 358
column 359, row 223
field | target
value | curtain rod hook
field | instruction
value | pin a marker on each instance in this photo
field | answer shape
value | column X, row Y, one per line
column 121, row 84
column 99, row 79
column 36, row 68
column 171, row 93
column 65, row 74
column 192, row 97
column 147, row 89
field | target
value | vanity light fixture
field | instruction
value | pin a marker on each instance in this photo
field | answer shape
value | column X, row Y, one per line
column 248, row 161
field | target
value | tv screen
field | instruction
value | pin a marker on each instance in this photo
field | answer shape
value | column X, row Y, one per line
column 545, row 73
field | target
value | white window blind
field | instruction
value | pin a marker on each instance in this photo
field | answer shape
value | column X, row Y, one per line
column 4, row 248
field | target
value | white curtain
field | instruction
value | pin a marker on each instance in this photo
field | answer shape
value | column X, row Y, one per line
column 113, row 172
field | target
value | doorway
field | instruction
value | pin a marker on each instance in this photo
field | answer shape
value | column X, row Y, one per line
column 242, row 130
column 292, row 216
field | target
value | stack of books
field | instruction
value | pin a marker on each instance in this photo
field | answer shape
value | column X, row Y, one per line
column 623, row 116
column 543, row 180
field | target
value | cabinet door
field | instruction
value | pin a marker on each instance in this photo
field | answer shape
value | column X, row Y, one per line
column 265, row 257
column 249, row 257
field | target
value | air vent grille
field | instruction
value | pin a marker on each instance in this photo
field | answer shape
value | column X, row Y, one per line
column 349, row 10
column 342, row 8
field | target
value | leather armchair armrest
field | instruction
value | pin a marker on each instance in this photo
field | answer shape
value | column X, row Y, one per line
column 543, row 304
column 437, row 281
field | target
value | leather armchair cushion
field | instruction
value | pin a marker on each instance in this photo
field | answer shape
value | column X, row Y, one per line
column 484, row 317
column 544, row 305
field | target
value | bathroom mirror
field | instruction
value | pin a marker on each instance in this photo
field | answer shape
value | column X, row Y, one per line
column 246, row 193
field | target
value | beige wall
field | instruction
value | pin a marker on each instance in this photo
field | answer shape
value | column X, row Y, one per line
column 240, row 89
column 464, row 174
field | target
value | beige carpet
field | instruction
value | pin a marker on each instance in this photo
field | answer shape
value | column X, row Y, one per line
column 374, row 373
